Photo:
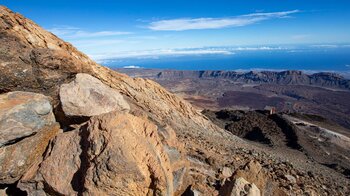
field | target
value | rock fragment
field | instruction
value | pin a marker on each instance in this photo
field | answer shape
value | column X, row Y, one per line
column 27, row 125
column 241, row 187
column 23, row 114
column 291, row 179
column 61, row 169
column 226, row 172
column 88, row 96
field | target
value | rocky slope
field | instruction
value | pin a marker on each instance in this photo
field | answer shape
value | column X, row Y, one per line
column 280, row 131
column 93, row 131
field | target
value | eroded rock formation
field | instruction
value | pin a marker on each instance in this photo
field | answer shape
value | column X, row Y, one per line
column 115, row 153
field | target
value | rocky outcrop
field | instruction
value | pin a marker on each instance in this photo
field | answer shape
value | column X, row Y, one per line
column 241, row 187
column 253, row 172
column 113, row 154
column 249, row 180
column 60, row 171
column 127, row 158
column 87, row 96
column 17, row 158
column 26, row 126
column 32, row 59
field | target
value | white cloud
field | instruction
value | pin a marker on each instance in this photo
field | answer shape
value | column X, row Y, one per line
column 155, row 54
column 325, row 46
column 330, row 46
column 257, row 48
column 68, row 32
column 158, row 53
column 183, row 24
column 132, row 67
column 347, row 65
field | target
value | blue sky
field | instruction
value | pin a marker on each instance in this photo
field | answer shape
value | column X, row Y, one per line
column 117, row 29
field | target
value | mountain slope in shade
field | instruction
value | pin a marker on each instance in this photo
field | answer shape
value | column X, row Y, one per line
column 146, row 156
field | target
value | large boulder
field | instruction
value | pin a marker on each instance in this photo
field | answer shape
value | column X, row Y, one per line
column 254, row 173
column 23, row 114
column 127, row 157
column 60, row 170
column 112, row 154
column 250, row 180
column 88, row 96
column 241, row 187
column 26, row 126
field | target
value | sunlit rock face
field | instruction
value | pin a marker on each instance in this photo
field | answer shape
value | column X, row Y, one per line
column 87, row 96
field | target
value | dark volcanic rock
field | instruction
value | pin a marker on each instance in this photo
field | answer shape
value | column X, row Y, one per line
column 282, row 131
column 251, row 125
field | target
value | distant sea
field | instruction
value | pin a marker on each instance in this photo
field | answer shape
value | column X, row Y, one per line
column 308, row 60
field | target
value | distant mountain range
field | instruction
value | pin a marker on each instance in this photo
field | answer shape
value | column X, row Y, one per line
column 322, row 79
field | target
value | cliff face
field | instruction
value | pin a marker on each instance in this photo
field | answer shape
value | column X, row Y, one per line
column 331, row 80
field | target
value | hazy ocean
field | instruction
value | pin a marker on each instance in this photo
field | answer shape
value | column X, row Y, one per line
column 315, row 60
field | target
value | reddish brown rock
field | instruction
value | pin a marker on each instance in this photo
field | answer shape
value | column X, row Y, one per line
column 113, row 154
column 255, row 175
column 127, row 157
column 177, row 157
column 59, row 173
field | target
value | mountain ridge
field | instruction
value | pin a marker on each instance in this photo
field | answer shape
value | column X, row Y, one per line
column 288, row 77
